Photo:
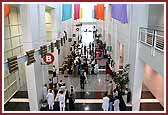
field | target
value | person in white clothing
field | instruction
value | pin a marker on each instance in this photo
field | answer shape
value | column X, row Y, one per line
column 105, row 104
column 61, row 100
column 50, row 99
column 96, row 67
column 45, row 92
column 55, row 80
column 116, row 104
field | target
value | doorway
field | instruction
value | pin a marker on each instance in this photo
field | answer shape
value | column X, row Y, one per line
column 120, row 55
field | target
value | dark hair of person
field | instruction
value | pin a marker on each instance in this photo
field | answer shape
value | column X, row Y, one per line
column 105, row 94
column 72, row 90
column 116, row 97
column 61, row 92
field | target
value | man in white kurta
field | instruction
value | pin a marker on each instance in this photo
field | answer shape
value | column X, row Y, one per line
column 116, row 104
column 105, row 104
column 50, row 99
column 61, row 100
column 96, row 68
column 45, row 92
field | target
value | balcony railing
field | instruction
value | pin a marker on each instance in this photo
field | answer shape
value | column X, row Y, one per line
column 152, row 37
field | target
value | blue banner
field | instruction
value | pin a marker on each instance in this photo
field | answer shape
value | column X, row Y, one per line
column 66, row 11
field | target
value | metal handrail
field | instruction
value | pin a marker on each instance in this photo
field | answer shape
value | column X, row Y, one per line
column 151, row 29
column 154, row 38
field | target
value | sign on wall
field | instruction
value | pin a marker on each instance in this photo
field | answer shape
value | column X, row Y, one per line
column 48, row 58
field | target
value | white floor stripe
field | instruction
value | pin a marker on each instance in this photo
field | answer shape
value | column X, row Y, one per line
column 88, row 100
column 149, row 101
column 19, row 100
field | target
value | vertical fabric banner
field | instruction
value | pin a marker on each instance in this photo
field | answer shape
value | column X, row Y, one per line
column 119, row 12
column 100, row 11
column 6, row 10
column 66, row 11
column 81, row 13
column 76, row 11
column 95, row 11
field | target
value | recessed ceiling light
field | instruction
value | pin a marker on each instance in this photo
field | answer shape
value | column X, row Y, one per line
column 87, row 108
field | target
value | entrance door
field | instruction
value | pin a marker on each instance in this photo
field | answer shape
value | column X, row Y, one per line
column 121, row 55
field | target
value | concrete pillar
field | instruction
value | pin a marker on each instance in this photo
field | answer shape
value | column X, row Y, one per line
column 42, row 36
column 136, row 72
column 137, row 84
column 29, row 17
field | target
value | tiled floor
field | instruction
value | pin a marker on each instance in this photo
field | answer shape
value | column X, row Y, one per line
column 17, row 106
column 95, row 83
column 22, row 105
column 149, row 102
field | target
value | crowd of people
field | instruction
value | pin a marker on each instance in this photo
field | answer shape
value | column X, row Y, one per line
column 111, row 98
column 81, row 66
column 58, row 93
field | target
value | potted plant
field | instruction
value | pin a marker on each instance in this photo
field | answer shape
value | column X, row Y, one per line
column 122, row 78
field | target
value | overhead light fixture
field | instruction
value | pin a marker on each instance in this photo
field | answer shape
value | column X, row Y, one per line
column 87, row 108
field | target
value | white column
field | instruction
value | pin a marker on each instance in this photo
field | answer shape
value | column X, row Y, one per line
column 137, row 84
column 29, row 17
column 42, row 36
column 136, row 72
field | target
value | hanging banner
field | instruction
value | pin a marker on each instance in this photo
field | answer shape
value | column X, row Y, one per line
column 66, row 11
column 119, row 12
column 6, row 10
column 76, row 11
column 52, row 47
column 13, row 64
column 30, row 56
column 43, row 50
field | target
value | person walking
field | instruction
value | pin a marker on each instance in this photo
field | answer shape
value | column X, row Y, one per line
column 50, row 84
column 54, row 71
column 105, row 104
column 108, row 72
column 45, row 92
column 71, row 102
column 116, row 104
column 55, row 80
column 96, row 67
column 110, row 88
column 82, row 79
column 50, row 99
column 111, row 108
column 61, row 101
